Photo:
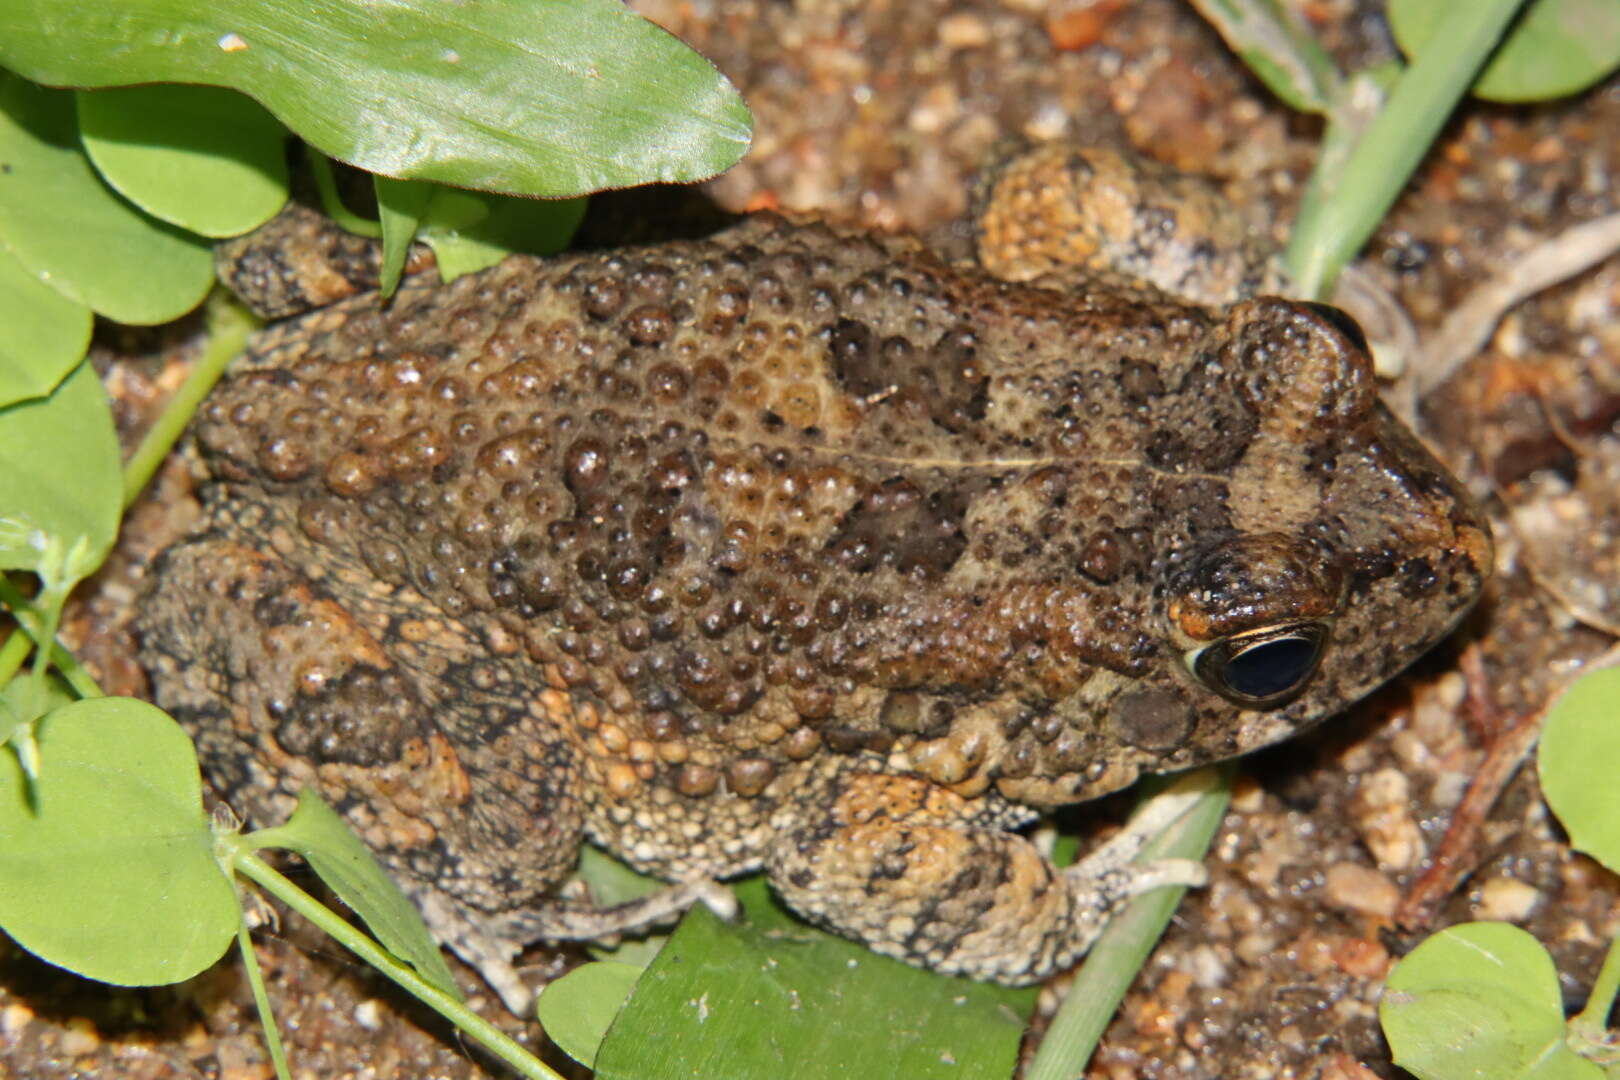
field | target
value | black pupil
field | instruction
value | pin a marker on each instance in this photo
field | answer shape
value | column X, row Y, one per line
column 1271, row 668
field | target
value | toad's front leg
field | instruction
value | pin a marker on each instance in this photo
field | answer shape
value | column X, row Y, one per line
column 919, row 873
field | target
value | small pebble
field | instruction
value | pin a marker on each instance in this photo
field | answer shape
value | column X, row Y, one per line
column 1505, row 899
column 79, row 1036
column 1353, row 887
column 368, row 1014
column 13, row 1018
column 963, row 31
column 1381, row 811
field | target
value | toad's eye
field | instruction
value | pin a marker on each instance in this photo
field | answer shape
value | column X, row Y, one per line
column 1261, row 668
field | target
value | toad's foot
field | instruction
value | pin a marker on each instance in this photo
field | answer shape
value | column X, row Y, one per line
column 490, row 943
column 913, row 873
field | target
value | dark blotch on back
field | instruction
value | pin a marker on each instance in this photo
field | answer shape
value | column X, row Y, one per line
column 902, row 527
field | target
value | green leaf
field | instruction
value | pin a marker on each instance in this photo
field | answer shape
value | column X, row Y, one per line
column 59, row 475
column 471, row 232
column 468, row 231
column 1343, row 204
column 400, row 205
column 22, row 701
column 203, row 158
column 1479, row 1000
column 746, row 1000
column 1580, row 751
column 46, row 333
column 612, row 882
column 577, row 1009
column 111, row 871
column 72, row 232
column 1557, row 48
column 540, row 97
column 342, row 861
column 1278, row 49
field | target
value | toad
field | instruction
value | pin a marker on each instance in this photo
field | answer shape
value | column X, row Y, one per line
column 794, row 548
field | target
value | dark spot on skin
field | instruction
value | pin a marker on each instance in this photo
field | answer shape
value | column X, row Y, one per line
column 649, row 324
column 1168, row 450
column 1418, row 578
column 695, row 781
column 961, row 385
column 360, row 716
column 586, row 466
column 749, row 776
column 1156, row 720
column 1211, row 438
column 1139, row 381
column 850, row 348
column 603, row 298
column 1101, row 558
column 898, row 526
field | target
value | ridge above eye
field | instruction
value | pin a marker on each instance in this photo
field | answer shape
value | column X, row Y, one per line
column 1261, row 668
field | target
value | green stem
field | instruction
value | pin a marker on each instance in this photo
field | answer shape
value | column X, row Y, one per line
column 16, row 648
column 13, row 653
column 261, row 1000
column 1116, row 958
column 229, row 325
column 495, row 1040
column 67, row 665
column 320, row 166
column 1340, row 212
column 1595, row 1017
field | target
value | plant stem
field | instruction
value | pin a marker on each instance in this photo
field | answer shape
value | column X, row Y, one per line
column 261, row 999
column 495, row 1040
column 13, row 653
column 228, row 327
column 1340, row 212
column 1594, row 1018
column 1117, row 957
column 320, row 167
column 17, row 645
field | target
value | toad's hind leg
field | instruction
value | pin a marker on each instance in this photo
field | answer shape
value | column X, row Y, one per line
column 918, row 873
column 457, row 769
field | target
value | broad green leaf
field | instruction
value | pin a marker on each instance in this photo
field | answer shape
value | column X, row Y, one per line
column 759, row 999
column 201, row 157
column 540, row 97
column 1479, row 1000
column 1558, row 47
column 470, row 232
column 1278, row 49
column 577, row 1009
column 46, row 333
column 71, row 231
column 59, row 474
column 110, row 872
column 342, row 861
column 1580, row 746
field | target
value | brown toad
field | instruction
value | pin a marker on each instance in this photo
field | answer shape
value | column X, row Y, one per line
column 792, row 548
